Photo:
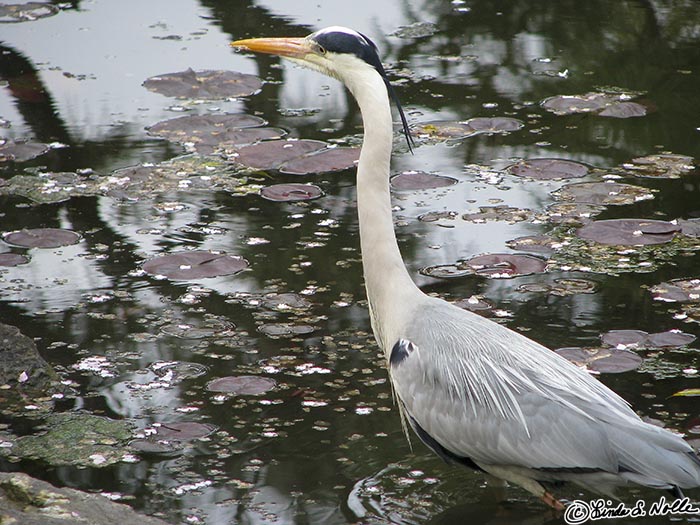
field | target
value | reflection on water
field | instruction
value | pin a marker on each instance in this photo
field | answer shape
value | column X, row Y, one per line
column 326, row 445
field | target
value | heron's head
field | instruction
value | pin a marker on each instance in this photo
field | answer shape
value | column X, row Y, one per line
column 335, row 51
column 338, row 52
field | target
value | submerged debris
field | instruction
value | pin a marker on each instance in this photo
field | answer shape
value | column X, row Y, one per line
column 661, row 166
column 26, row 12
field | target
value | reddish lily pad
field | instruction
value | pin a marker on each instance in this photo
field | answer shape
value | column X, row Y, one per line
column 285, row 301
column 419, row 180
column 42, row 238
column 625, row 338
column 12, row 259
column 20, row 151
column 624, row 110
column 272, row 154
column 670, row 339
column 690, row 227
column 285, row 329
column 603, row 360
column 183, row 431
column 209, row 85
column 446, row 271
column 242, row 385
column 194, row 265
column 207, row 133
column 548, row 169
column 26, row 12
column 506, row 265
column 492, row 125
column 629, row 231
column 474, row 303
column 677, row 291
column 291, row 192
column 603, row 193
column 326, row 160
column 665, row 166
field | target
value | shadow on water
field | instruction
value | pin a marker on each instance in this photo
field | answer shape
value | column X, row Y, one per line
column 326, row 444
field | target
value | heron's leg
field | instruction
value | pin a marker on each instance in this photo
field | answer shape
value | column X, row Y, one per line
column 517, row 477
column 551, row 501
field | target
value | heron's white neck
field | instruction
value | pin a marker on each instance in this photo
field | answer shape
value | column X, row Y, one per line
column 390, row 290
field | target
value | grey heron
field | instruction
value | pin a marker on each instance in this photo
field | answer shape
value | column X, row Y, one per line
column 475, row 392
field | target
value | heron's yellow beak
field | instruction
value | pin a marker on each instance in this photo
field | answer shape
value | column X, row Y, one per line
column 284, row 47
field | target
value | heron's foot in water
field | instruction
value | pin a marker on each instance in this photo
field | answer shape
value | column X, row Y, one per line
column 553, row 502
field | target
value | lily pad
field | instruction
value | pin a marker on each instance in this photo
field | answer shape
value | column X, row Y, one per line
column 444, row 130
column 26, row 12
column 435, row 216
column 629, row 232
column 690, row 227
column 677, row 291
column 194, row 265
column 12, row 259
column 548, row 169
column 506, row 265
column 490, row 125
column 499, row 213
column 670, row 339
column 291, row 192
column 642, row 339
column 41, row 238
column 574, row 213
column 604, row 104
column 603, row 360
column 419, row 180
column 207, row 133
column 20, row 151
column 208, row 84
column 285, row 301
column 494, row 266
column 541, row 244
column 560, row 287
column 624, row 110
column 603, row 193
column 183, row 430
column 326, row 160
column 242, row 385
column 285, row 329
column 664, row 166
column 272, row 154
column 211, row 328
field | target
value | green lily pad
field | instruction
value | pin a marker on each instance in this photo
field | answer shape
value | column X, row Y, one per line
column 207, row 85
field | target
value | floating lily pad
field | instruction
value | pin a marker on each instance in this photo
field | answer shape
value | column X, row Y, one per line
column 548, row 169
column 475, row 303
column 642, row 339
column 604, row 104
column 194, row 265
column 183, row 430
column 291, row 192
column 444, row 130
column 670, row 339
column 41, row 238
column 12, row 259
column 419, row 180
column 499, row 213
column 494, row 266
column 327, row 160
column 625, row 338
column 177, row 370
column 416, row 30
column 677, row 291
column 624, row 110
column 285, row 329
column 207, row 133
column 209, row 85
column 542, row 244
column 434, row 216
column 665, row 166
column 212, row 328
column 242, row 385
column 27, row 12
column 272, row 154
column 20, row 151
column 690, row 227
column 285, row 301
column 560, row 287
column 490, row 125
column 603, row 360
column 603, row 193
column 505, row 265
column 573, row 213
column 629, row 231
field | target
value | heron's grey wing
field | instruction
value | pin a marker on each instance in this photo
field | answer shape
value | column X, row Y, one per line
column 539, row 434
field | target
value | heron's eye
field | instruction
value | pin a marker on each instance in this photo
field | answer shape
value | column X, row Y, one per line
column 321, row 50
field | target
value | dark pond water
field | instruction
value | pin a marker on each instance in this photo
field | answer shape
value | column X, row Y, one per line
column 325, row 444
